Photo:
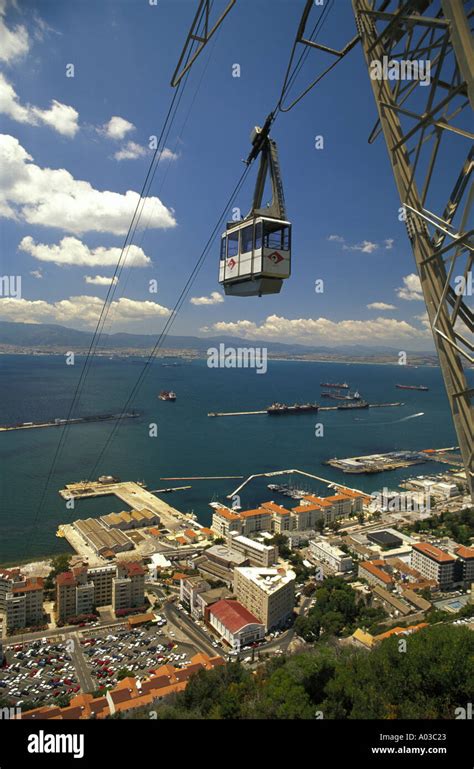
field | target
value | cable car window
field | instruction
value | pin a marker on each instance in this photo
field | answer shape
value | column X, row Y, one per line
column 233, row 243
column 223, row 245
column 246, row 239
column 258, row 235
column 285, row 240
column 272, row 236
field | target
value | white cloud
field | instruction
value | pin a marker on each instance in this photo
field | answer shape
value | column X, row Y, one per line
column 36, row 274
column 130, row 151
column 100, row 280
column 54, row 198
column 73, row 251
column 79, row 310
column 366, row 247
column 14, row 42
column 381, row 306
column 214, row 298
column 411, row 290
column 60, row 117
column 117, row 128
column 322, row 330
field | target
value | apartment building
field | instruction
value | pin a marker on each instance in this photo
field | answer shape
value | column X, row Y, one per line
column 375, row 572
column 277, row 519
column 24, row 604
column 81, row 590
column 434, row 563
column 8, row 577
column 269, row 594
column 257, row 553
column 189, row 589
column 465, row 564
column 331, row 555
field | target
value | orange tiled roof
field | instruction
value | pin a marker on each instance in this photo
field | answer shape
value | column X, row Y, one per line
column 433, row 552
column 374, row 568
column 465, row 552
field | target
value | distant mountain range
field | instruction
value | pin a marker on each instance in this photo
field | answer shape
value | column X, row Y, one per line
column 53, row 336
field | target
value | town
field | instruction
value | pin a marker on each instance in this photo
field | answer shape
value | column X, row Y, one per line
column 151, row 596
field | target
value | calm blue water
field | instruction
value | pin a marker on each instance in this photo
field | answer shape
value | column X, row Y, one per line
column 189, row 442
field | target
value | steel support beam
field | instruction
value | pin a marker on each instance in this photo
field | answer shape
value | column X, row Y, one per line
column 413, row 138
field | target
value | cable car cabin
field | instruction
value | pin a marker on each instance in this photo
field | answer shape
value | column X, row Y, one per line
column 255, row 256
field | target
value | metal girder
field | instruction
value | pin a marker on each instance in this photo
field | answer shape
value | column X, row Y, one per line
column 418, row 123
column 202, row 13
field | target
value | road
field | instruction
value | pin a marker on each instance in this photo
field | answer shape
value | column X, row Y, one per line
column 85, row 679
column 186, row 625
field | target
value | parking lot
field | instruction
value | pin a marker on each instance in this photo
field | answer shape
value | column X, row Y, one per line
column 39, row 672
column 139, row 651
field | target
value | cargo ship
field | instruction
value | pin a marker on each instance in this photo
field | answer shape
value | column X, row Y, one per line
column 412, row 387
column 297, row 408
column 354, row 405
column 167, row 395
column 338, row 396
column 339, row 385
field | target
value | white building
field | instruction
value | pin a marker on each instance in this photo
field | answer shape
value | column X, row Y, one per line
column 328, row 554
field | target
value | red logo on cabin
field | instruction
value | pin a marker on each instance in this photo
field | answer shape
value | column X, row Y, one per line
column 231, row 263
column 275, row 257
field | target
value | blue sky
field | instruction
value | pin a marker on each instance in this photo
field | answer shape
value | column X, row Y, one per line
column 59, row 228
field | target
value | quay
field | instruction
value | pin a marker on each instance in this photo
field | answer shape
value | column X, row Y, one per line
column 133, row 494
column 72, row 421
column 321, row 408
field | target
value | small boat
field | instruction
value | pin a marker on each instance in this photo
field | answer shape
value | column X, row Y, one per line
column 167, row 395
column 423, row 388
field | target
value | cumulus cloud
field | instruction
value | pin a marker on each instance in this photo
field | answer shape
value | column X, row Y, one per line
column 117, row 128
column 381, row 306
column 132, row 150
column 54, row 198
column 79, row 310
column 214, row 298
column 14, row 42
column 100, row 280
column 366, row 247
column 73, row 251
column 322, row 330
column 60, row 117
column 411, row 289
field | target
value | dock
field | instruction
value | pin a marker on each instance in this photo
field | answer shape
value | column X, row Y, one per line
column 321, row 408
column 133, row 494
column 65, row 422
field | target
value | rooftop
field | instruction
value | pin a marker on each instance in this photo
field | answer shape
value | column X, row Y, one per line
column 270, row 580
column 233, row 615
column 433, row 552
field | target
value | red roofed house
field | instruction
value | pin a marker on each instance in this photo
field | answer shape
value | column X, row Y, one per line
column 234, row 623
column 466, row 563
column 434, row 563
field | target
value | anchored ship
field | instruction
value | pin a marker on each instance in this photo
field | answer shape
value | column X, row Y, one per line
column 297, row 408
column 339, row 385
column 167, row 395
column 354, row 405
column 338, row 396
column 412, row 387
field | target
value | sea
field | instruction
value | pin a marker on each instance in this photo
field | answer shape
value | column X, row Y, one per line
column 178, row 439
